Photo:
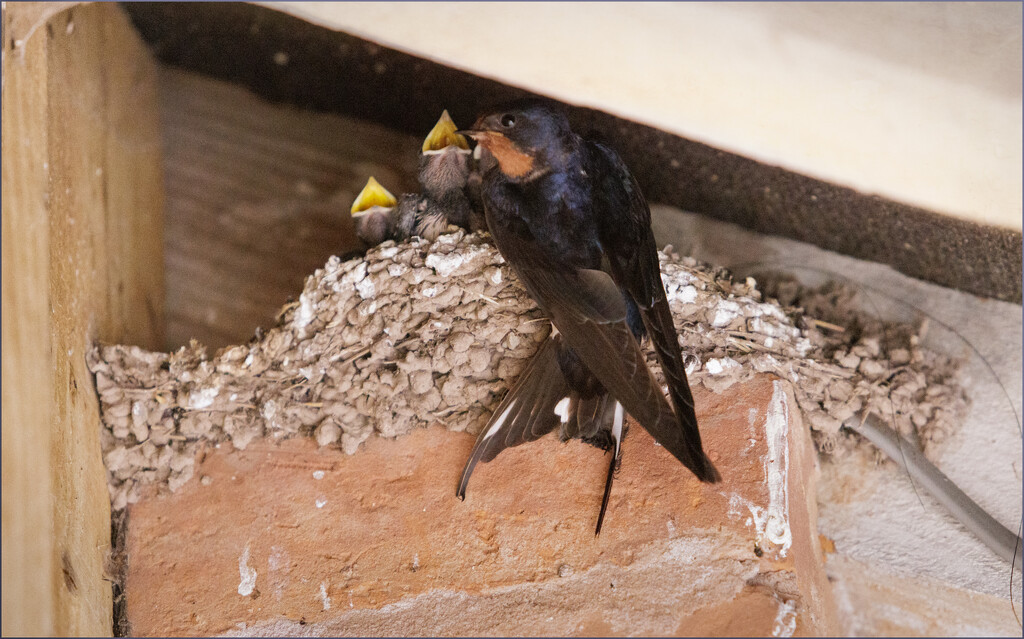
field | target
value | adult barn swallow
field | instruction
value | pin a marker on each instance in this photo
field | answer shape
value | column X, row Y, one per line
column 569, row 218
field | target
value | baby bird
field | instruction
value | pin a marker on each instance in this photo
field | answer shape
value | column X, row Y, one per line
column 372, row 212
column 445, row 165
column 447, row 169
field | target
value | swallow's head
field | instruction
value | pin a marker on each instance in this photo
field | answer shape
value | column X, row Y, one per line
column 526, row 138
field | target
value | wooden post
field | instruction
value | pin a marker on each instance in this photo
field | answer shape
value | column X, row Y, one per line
column 82, row 260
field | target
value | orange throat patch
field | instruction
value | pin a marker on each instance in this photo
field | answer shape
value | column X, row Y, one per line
column 511, row 161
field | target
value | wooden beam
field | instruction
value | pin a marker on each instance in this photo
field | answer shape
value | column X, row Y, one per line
column 83, row 260
column 28, row 564
column 257, row 199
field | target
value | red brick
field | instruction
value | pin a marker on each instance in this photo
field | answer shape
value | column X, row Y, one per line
column 397, row 553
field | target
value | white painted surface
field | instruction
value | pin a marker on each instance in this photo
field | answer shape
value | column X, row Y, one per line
column 919, row 102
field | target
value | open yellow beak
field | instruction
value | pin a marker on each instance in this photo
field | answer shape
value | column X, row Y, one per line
column 373, row 194
column 444, row 135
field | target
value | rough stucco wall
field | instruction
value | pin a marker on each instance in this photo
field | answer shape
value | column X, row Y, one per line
column 918, row 102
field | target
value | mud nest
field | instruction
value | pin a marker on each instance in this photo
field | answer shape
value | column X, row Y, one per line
column 424, row 333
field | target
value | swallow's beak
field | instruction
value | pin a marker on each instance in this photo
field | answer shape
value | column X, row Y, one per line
column 444, row 135
column 373, row 194
column 484, row 126
column 485, row 129
column 477, row 134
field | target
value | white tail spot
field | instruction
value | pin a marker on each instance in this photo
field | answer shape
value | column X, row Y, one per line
column 617, row 426
column 501, row 420
column 562, row 409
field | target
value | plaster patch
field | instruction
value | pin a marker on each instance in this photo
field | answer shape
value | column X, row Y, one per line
column 326, row 600
column 776, row 470
column 247, row 574
column 785, row 619
column 771, row 522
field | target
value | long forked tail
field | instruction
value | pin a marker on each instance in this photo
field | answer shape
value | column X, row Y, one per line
column 540, row 401
column 526, row 413
column 617, row 434
column 677, row 432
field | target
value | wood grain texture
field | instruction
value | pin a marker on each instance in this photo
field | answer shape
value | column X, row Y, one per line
column 86, row 252
column 28, row 564
column 257, row 199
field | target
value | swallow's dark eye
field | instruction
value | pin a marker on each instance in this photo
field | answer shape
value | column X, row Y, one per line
column 508, row 120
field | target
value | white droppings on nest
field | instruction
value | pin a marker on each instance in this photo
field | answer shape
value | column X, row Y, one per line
column 305, row 313
column 421, row 333
column 397, row 270
column 717, row 366
column 444, row 265
column 201, row 398
column 366, row 290
column 725, row 312
column 682, row 294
